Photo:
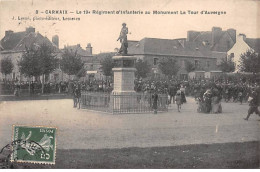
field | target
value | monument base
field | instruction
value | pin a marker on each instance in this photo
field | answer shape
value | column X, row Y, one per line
column 124, row 79
column 124, row 98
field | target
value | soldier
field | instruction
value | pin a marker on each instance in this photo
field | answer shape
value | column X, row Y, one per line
column 75, row 90
column 178, row 100
column 123, row 40
column 172, row 92
column 253, row 105
column 155, row 98
column 78, row 95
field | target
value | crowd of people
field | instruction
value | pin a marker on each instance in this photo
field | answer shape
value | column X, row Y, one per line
column 207, row 93
column 17, row 87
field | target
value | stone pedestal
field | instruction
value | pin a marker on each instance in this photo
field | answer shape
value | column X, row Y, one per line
column 124, row 76
column 124, row 80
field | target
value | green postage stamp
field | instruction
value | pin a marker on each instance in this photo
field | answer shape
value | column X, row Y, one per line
column 35, row 144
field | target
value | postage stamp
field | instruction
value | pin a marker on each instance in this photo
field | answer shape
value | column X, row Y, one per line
column 34, row 144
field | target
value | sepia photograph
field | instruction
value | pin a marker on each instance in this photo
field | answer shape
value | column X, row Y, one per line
column 133, row 84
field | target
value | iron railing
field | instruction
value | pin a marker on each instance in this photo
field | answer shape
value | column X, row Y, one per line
column 118, row 103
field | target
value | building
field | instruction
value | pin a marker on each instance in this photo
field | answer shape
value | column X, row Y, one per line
column 154, row 49
column 14, row 44
column 97, row 63
column 92, row 63
column 218, row 41
column 241, row 46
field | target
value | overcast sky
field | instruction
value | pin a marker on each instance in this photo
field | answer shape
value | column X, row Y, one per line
column 102, row 31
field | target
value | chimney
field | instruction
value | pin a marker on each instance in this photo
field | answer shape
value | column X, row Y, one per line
column 232, row 33
column 8, row 32
column 243, row 36
column 191, row 35
column 55, row 40
column 89, row 49
column 215, row 36
column 30, row 29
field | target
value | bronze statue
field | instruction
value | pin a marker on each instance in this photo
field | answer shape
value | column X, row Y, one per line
column 123, row 40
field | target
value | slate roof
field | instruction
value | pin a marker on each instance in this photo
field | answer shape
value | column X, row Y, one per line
column 254, row 43
column 222, row 43
column 18, row 41
column 35, row 39
column 79, row 50
column 10, row 41
column 168, row 47
column 1, row 47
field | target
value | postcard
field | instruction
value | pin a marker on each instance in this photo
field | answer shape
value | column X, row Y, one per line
column 134, row 84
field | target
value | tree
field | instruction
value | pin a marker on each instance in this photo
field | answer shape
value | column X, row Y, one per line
column 49, row 61
column 227, row 66
column 249, row 62
column 143, row 68
column 168, row 66
column 6, row 66
column 71, row 62
column 37, row 61
column 30, row 63
column 189, row 66
column 107, row 65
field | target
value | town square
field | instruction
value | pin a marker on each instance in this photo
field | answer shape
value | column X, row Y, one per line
column 129, row 88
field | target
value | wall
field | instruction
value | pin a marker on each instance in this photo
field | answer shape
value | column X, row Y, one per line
column 239, row 48
column 202, row 61
column 15, row 57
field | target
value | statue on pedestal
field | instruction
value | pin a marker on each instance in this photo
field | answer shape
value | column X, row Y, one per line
column 123, row 40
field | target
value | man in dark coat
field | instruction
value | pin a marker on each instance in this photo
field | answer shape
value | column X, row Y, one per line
column 253, row 105
column 172, row 92
column 155, row 98
column 76, row 95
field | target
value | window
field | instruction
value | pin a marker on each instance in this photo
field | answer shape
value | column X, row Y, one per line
column 196, row 63
column 155, row 61
column 207, row 63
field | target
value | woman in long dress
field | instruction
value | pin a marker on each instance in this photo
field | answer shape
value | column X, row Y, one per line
column 216, row 105
column 216, row 102
column 183, row 97
column 207, row 100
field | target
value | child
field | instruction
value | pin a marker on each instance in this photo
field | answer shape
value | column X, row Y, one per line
column 178, row 100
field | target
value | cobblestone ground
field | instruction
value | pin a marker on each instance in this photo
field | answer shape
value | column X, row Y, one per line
column 83, row 129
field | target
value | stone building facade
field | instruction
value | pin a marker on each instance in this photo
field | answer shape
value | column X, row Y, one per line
column 241, row 46
column 153, row 50
column 14, row 44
